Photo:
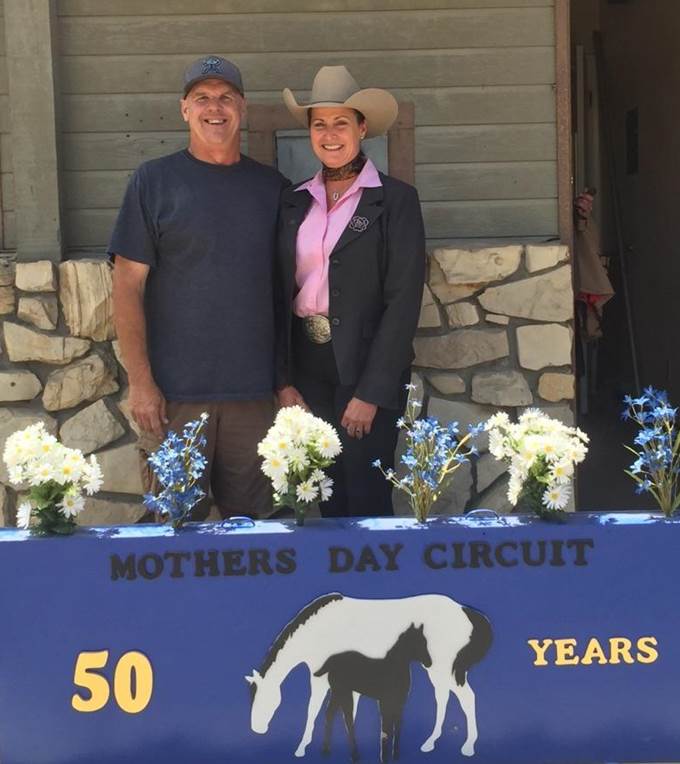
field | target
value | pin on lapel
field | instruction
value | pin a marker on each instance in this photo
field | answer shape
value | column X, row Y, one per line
column 358, row 224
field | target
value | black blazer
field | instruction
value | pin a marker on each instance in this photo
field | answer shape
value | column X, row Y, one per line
column 376, row 275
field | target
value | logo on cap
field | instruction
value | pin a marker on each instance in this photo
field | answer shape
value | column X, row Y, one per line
column 211, row 65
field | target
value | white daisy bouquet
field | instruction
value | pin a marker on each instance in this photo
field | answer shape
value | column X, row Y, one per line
column 56, row 477
column 541, row 453
column 296, row 450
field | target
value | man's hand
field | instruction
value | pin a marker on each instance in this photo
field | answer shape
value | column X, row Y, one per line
column 290, row 396
column 146, row 402
column 147, row 406
column 358, row 418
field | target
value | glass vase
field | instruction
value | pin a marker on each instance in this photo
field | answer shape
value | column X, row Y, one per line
column 50, row 521
column 530, row 501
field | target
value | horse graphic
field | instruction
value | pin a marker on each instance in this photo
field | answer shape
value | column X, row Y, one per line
column 457, row 638
column 387, row 679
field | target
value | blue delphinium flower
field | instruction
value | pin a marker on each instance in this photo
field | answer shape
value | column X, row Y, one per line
column 178, row 465
column 433, row 453
column 657, row 463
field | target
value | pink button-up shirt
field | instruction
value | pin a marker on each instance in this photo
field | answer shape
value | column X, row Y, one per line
column 318, row 235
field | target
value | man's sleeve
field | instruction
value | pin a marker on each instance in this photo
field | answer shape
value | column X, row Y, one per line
column 134, row 235
column 282, row 311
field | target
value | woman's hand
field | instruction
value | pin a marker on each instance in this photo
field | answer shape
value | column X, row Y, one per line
column 358, row 418
column 290, row 396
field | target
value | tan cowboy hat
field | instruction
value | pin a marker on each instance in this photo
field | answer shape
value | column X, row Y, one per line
column 335, row 86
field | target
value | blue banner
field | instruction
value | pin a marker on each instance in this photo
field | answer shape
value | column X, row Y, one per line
column 492, row 640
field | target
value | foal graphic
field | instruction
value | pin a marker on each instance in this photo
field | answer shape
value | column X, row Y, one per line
column 387, row 679
column 457, row 638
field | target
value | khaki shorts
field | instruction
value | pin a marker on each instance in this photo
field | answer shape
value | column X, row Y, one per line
column 233, row 474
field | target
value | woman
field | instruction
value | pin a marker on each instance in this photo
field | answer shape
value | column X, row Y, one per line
column 352, row 266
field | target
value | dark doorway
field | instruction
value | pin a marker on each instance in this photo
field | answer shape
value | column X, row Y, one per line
column 627, row 145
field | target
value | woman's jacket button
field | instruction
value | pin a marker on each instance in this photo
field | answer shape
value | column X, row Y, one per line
column 335, row 321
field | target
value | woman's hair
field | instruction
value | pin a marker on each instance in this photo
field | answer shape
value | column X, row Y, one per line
column 360, row 117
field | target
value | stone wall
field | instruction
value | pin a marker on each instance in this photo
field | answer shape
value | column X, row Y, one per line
column 60, row 366
column 495, row 331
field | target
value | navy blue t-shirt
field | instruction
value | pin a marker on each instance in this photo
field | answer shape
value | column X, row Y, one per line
column 208, row 232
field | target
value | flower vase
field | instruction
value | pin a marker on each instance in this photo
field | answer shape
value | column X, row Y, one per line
column 530, row 501
column 421, row 509
column 51, row 522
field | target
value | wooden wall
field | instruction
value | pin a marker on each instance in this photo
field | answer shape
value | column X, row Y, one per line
column 480, row 72
column 7, row 227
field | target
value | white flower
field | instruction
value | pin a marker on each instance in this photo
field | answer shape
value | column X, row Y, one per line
column 14, row 453
column 72, row 504
column 497, row 444
column 581, row 435
column 275, row 467
column 576, row 452
column 67, row 472
column 562, row 471
column 41, row 473
column 531, row 415
column 548, row 447
column 280, row 484
column 499, row 419
column 16, row 475
column 75, row 457
column 530, row 447
column 47, row 445
column 306, row 491
column 326, row 488
column 537, row 442
column 93, row 477
column 298, row 443
column 328, row 443
column 24, row 514
column 556, row 496
column 295, row 423
column 298, row 458
column 275, row 444
column 317, row 476
column 514, row 488
column 32, row 434
column 290, row 416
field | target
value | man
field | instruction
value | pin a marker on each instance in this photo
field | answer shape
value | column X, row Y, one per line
column 193, row 251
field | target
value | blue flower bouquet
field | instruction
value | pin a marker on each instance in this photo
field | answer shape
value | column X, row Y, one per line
column 657, row 451
column 433, row 454
column 178, row 465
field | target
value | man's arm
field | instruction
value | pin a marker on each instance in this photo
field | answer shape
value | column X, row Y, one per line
column 147, row 404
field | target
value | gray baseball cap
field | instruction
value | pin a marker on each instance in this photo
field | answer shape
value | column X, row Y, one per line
column 212, row 67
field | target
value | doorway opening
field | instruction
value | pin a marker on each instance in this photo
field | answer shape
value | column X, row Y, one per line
column 626, row 146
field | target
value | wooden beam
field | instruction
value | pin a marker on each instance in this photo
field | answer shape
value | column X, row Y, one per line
column 29, row 26
column 308, row 32
column 565, row 181
column 401, row 145
column 220, row 7
column 467, row 67
column 2, row 207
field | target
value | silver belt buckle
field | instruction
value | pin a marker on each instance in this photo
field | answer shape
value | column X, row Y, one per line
column 317, row 329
